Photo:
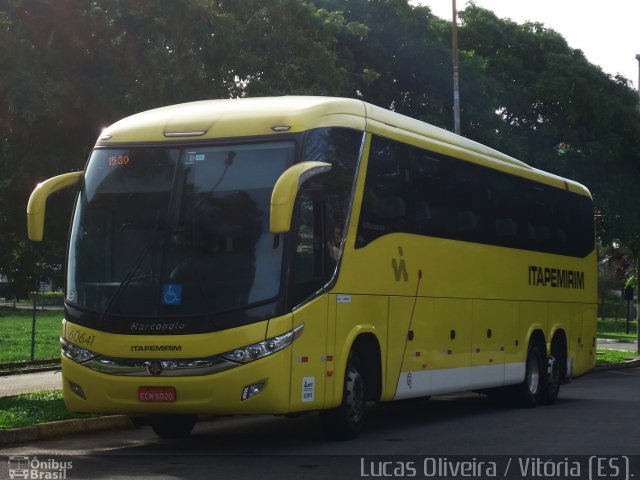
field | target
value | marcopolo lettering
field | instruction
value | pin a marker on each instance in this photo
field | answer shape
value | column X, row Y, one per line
column 156, row 327
column 555, row 277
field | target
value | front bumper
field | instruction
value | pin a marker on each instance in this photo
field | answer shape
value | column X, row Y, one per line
column 218, row 393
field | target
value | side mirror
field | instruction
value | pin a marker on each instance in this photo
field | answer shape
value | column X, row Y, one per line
column 38, row 201
column 284, row 193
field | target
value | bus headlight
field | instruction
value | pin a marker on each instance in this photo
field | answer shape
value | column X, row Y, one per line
column 76, row 353
column 259, row 350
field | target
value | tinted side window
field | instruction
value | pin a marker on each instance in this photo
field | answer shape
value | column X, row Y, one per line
column 412, row 190
column 322, row 210
column 341, row 148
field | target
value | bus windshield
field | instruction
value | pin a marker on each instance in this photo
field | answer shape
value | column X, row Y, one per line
column 171, row 232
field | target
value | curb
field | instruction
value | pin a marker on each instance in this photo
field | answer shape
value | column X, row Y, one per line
column 36, row 366
column 8, row 373
column 46, row 431
column 616, row 366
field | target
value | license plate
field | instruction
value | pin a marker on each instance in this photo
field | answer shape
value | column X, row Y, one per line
column 157, row 394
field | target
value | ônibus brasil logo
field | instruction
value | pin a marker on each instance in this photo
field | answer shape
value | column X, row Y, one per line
column 34, row 468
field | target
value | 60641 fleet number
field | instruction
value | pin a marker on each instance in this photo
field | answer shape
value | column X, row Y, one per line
column 77, row 336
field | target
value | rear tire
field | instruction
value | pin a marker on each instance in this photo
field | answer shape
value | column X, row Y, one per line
column 345, row 421
column 530, row 392
column 541, row 384
column 173, row 426
column 551, row 388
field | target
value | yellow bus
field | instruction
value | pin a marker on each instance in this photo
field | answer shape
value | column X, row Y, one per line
column 298, row 254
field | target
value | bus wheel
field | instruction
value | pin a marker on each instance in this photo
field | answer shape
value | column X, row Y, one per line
column 552, row 384
column 173, row 426
column 345, row 421
column 529, row 392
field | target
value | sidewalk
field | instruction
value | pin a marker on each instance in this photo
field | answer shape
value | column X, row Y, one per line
column 630, row 346
column 30, row 382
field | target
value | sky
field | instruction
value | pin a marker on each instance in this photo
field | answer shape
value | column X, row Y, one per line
column 607, row 31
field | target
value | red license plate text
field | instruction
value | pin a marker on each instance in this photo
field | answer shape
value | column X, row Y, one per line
column 157, row 394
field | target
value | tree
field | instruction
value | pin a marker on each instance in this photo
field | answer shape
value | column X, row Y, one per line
column 287, row 47
column 70, row 67
column 402, row 63
column 547, row 96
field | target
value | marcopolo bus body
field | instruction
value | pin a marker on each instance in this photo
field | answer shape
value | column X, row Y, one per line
column 284, row 255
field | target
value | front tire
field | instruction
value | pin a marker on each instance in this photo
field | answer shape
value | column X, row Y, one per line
column 173, row 426
column 345, row 421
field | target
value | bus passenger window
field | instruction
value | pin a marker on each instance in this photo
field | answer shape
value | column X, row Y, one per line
column 467, row 221
column 505, row 228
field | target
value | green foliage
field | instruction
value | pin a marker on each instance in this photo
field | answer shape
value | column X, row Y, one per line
column 631, row 282
column 548, row 94
column 47, row 298
column 404, row 62
column 69, row 68
column 32, row 408
column 287, row 47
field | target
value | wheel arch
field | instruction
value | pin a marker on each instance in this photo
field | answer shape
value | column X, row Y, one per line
column 367, row 347
column 537, row 337
column 365, row 343
column 559, row 349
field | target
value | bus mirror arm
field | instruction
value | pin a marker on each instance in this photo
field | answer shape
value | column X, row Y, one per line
column 38, row 201
column 284, row 193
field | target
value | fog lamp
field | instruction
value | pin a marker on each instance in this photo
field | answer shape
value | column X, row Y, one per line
column 77, row 389
column 252, row 390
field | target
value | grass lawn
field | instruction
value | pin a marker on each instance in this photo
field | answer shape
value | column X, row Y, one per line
column 31, row 408
column 614, row 356
column 615, row 328
column 15, row 334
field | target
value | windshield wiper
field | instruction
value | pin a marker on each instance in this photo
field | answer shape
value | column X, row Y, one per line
column 129, row 277
column 126, row 280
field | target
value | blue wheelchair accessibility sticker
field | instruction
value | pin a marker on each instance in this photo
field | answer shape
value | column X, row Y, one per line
column 171, row 294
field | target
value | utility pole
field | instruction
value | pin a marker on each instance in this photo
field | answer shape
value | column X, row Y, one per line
column 638, row 257
column 456, row 76
column 637, row 58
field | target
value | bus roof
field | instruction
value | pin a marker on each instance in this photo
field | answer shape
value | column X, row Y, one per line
column 208, row 119
column 232, row 118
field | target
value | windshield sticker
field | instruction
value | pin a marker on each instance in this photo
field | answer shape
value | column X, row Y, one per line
column 193, row 157
column 171, row 294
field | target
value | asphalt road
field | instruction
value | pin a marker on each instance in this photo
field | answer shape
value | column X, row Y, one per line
column 598, row 414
